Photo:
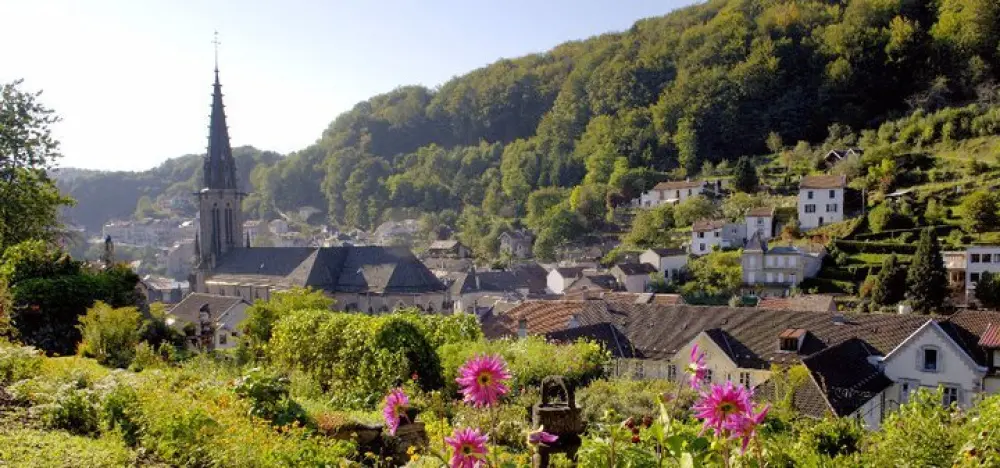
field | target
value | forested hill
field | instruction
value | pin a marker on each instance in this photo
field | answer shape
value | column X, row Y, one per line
column 102, row 196
column 609, row 114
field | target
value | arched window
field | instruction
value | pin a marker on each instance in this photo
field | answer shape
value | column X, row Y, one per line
column 216, row 241
column 229, row 225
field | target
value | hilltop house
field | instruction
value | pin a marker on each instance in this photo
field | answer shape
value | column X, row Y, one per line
column 448, row 249
column 671, row 192
column 837, row 155
column 779, row 268
column 860, row 365
column 761, row 221
column 634, row 277
column 979, row 260
column 707, row 234
column 516, row 244
column 821, row 200
column 670, row 262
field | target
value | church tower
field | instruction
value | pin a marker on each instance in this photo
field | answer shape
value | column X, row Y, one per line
column 220, row 199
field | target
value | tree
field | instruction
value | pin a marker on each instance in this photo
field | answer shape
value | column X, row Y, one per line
column 927, row 280
column 887, row 216
column 988, row 290
column 745, row 178
column 693, row 209
column 715, row 274
column 774, row 142
column 29, row 199
column 651, row 228
column 890, row 284
column 110, row 334
column 144, row 208
column 979, row 212
column 540, row 202
column 686, row 140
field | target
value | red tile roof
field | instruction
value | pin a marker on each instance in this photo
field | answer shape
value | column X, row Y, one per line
column 762, row 212
column 991, row 337
column 708, row 225
column 808, row 302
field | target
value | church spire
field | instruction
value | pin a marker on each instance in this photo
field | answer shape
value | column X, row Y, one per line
column 220, row 168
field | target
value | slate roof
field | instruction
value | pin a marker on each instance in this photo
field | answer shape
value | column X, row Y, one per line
column 570, row 272
column 189, row 309
column 808, row 302
column 384, row 270
column 641, row 298
column 844, row 377
column 443, row 245
column 605, row 334
column 593, row 282
column 968, row 328
column 762, row 212
column 708, row 225
column 452, row 265
column 669, row 252
column 678, row 184
column 823, row 182
column 634, row 269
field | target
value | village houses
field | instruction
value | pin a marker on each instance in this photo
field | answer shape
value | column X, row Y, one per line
column 821, row 200
column 669, row 262
column 706, row 235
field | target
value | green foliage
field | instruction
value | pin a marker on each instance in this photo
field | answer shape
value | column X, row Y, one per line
column 18, row 362
column 71, row 409
column 29, row 448
column 262, row 315
column 890, row 284
column 921, row 433
column 745, row 178
column 694, row 209
column 121, row 414
column 927, row 280
column 888, row 216
column 988, row 290
column 530, row 360
column 713, row 275
column 833, row 437
column 269, row 397
column 628, row 398
column 979, row 212
column 109, row 334
column 651, row 228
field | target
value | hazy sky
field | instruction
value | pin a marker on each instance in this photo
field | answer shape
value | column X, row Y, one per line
column 132, row 79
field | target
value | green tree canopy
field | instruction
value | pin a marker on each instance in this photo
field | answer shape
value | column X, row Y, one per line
column 927, row 280
column 694, row 209
column 979, row 212
column 890, row 284
column 745, row 178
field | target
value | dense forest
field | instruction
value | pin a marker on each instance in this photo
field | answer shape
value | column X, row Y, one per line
column 580, row 128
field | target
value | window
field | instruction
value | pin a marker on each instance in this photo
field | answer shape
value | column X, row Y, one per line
column 833, row 194
column 789, row 344
column 810, row 208
column 745, row 379
column 760, row 221
column 222, row 339
column 638, row 373
column 930, row 360
column 716, row 233
column 809, row 194
column 904, row 392
column 975, row 277
column 949, row 395
column 770, row 261
column 678, row 194
column 672, row 372
column 975, row 258
column 770, row 277
column 689, row 192
column 752, row 261
column 701, row 235
column 708, row 376
column 831, row 208
column 701, row 247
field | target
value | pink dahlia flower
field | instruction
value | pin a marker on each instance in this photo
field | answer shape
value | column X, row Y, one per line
column 396, row 403
column 541, row 437
column 697, row 368
column 468, row 448
column 746, row 427
column 482, row 380
column 723, row 406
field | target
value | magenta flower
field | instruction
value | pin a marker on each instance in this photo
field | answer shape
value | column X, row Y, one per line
column 468, row 448
column 722, row 406
column 541, row 437
column 482, row 380
column 746, row 427
column 396, row 403
column 697, row 368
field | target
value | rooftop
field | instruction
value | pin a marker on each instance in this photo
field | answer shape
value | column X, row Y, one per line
column 708, row 225
column 823, row 182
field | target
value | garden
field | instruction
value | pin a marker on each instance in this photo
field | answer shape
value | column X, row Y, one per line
column 310, row 387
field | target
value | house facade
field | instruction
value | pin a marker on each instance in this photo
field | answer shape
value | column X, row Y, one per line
column 760, row 221
column 670, row 262
column 821, row 200
column 634, row 277
column 670, row 192
column 559, row 279
column 979, row 260
column 516, row 244
column 781, row 267
column 706, row 235
column 209, row 321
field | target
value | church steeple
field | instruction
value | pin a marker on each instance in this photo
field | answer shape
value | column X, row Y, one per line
column 220, row 168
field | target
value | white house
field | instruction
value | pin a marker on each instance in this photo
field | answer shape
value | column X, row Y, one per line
column 209, row 320
column 780, row 267
column 670, row 192
column 761, row 221
column 559, row 279
column 670, row 262
column 821, row 200
column 634, row 277
column 979, row 260
column 930, row 358
column 707, row 234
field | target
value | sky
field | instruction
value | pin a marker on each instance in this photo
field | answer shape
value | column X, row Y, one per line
column 132, row 79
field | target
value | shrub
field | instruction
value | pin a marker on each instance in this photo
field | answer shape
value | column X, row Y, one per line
column 269, row 397
column 120, row 413
column 18, row 362
column 833, row 437
column 627, row 398
column 921, row 433
column 110, row 334
column 73, row 409
column 31, row 448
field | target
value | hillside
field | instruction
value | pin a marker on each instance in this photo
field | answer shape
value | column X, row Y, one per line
column 614, row 113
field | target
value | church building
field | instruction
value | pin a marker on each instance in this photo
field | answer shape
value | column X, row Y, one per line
column 366, row 279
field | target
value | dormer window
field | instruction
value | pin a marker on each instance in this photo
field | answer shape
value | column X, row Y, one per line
column 791, row 339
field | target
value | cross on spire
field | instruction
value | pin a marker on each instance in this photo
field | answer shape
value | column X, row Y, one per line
column 215, row 41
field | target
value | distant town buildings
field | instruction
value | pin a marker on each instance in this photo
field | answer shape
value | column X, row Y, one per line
column 516, row 244
column 706, row 235
column 780, row 267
